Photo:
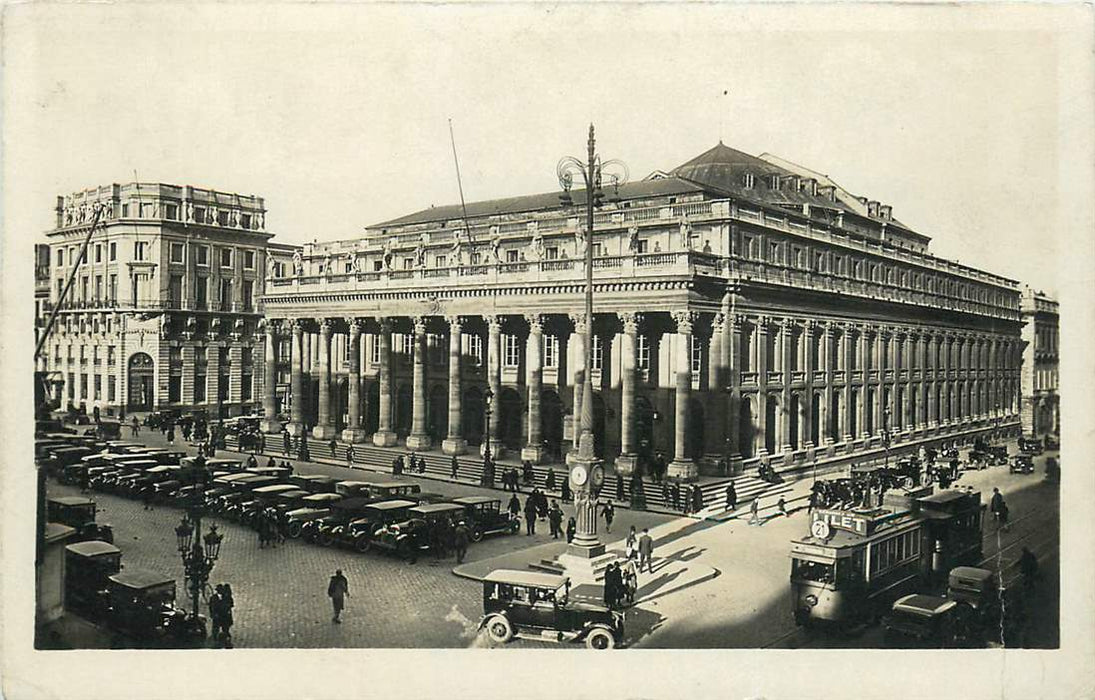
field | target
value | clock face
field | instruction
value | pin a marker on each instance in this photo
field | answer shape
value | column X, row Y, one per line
column 578, row 475
column 598, row 475
column 820, row 529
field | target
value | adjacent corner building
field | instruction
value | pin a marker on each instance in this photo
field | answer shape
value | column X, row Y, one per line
column 1041, row 405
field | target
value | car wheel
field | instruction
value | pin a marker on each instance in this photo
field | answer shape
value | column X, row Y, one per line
column 325, row 539
column 363, row 544
column 499, row 629
column 514, row 527
column 600, row 638
column 294, row 529
column 476, row 534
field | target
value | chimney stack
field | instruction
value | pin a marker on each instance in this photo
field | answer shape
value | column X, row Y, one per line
column 872, row 208
column 886, row 212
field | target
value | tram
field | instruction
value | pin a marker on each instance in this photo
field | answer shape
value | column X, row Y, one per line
column 856, row 562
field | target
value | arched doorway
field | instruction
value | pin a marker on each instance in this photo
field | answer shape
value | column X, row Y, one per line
column 371, row 412
column 771, row 423
column 510, row 419
column 472, row 416
column 694, row 443
column 644, row 427
column 141, row 382
column 437, row 413
column 746, row 428
column 551, row 421
column 404, row 410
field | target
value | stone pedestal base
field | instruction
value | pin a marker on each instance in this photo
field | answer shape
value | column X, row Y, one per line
column 454, row 446
column 419, row 442
column 324, row 432
column 585, row 565
column 355, row 435
column 683, row 469
column 627, row 464
column 533, row 453
column 294, row 429
column 496, row 449
column 385, row 438
column 271, row 425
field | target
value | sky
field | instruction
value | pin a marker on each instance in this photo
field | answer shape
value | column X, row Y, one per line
column 338, row 115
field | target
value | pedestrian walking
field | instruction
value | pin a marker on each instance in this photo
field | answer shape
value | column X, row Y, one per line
column 252, row 461
column 555, row 520
column 549, row 480
column 997, row 506
column 262, row 442
column 171, row 435
column 349, row 455
column 286, row 444
column 460, row 540
column 754, row 512
column 514, row 506
column 612, row 586
column 146, row 497
column 631, row 544
column 629, row 578
column 697, row 498
column 338, row 590
column 227, row 604
column 621, row 495
column 572, row 529
column 565, row 494
column 675, row 494
column 216, row 614
column 135, row 427
column 646, row 551
column 781, row 505
column 333, row 445
column 530, row 515
column 731, row 496
column 454, row 466
column 609, row 512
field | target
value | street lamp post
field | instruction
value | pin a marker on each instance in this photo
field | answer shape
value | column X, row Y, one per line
column 587, row 472
column 488, row 466
column 886, row 438
column 199, row 552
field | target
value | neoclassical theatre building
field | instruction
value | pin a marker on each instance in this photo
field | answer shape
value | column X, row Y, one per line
column 164, row 309
column 745, row 309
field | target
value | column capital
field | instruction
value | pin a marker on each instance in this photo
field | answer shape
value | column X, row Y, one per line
column 685, row 321
column 630, row 321
column 325, row 325
column 718, row 322
column 355, row 325
column 455, row 322
column 787, row 325
column 494, row 323
column 418, row 323
column 296, row 325
column 385, row 324
column 579, row 321
column 535, row 323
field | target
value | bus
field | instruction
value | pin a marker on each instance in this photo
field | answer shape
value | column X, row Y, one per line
column 856, row 562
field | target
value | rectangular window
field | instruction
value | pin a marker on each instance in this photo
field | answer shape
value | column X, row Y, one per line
column 98, row 287
column 750, row 181
column 199, row 215
column 643, row 359
column 697, row 356
column 171, row 211
column 199, row 388
column 201, row 292
column 226, row 257
column 475, row 349
column 113, row 254
column 245, row 387
column 98, row 252
column 83, row 386
column 174, row 292
column 222, row 217
column 174, row 388
column 176, row 252
column 551, row 351
column 140, row 249
column 551, row 253
column 110, row 390
column 512, row 351
column 226, row 295
column 247, row 294
column 245, row 221
column 202, row 255
column 249, row 260
column 125, row 210
column 378, row 266
column 511, row 256
column 147, row 210
column 247, row 358
column 476, row 258
column 408, row 263
column 598, row 352
column 642, row 246
column 95, row 354
column 60, row 257
column 113, row 289
column 98, row 378
column 374, row 357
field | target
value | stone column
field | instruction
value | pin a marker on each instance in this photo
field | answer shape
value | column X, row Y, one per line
column 296, row 380
column 862, row 339
column 270, row 423
column 761, row 436
column 880, row 387
column 849, row 354
column 787, row 331
column 827, row 399
column 809, row 366
column 577, row 374
column 733, row 339
column 626, row 462
column 682, row 467
column 385, row 436
column 354, row 432
column 454, row 443
column 534, row 450
column 419, row 439
column 324, row 428
column 494, row 381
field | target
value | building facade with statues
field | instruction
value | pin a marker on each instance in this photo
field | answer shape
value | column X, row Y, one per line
column 1041, row 410
column 745, row 309
column 164, row 310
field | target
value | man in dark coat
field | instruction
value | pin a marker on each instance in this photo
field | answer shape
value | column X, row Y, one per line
column 514, row 506
column 697, row 498
column 621, row 495
column 646, row 551
column 338, row 589
column 572, row 529
column 530, row 515
column 731, row 496
column 454, row 467
column 675, row 494
column 565, row 495
column 549, row 481
column 460, row 539
column 555, row 519
column 286, row 444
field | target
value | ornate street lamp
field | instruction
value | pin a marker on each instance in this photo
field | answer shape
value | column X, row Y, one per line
column 488, row 466
column 587, row 473
column 198, row 552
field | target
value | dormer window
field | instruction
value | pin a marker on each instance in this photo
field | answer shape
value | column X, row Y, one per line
column 750, row 181
column 773, row 182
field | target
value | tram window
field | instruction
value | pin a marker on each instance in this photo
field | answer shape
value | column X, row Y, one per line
column 813, row 571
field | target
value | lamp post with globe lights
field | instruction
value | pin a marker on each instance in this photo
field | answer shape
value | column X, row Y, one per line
column 198, row 552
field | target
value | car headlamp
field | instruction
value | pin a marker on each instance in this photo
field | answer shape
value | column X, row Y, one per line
column 810, row 600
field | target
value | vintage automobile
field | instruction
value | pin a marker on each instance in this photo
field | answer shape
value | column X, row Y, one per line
column 419, row 532
column 151, row 476
column 1030, row 445
column 1052, row 442
column 315, row 483
column 1022, row 464
column 978, row 589
column 1053, row 469
column 534, row 605
column 352, row 488
column 263, row 497
column 360, row 533
column 484, row 516
column 999, row 454
column 78, row 513
column 61, row 457
column 108, row 430
column 240, row 490
column 158, row 418
column 142, row 605
column 221, row 464
column 919, row 620
column 88, row 566
column 313, row 507
column 385, row 490
column 321, row 530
